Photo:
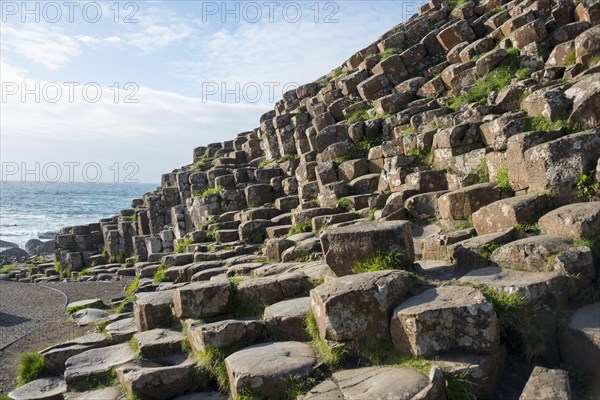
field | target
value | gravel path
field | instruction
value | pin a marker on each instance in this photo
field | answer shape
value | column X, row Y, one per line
column 32, row 317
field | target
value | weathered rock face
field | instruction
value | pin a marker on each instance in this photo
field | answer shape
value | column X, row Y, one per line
column 358, row 307
column 446, row 319
column 343, row 247
column 202, row 299
column 461, row 203
column 379, row 383
column 46, row 389
column 547, row 384
column 556, row 166
column 575, row 220
column 504, row 214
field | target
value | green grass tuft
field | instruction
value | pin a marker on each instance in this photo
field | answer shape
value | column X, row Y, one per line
column 345, row 204
column 539, row 123
column 332, row 357
column 488, row 249
column 301, row 227
column 31, row 367
column 503, row 180
column 209, row 192
column 528, row 228
column 182, row 246
column 130, row 290
column 586, row 187
column 382, row 261
column 160, row 276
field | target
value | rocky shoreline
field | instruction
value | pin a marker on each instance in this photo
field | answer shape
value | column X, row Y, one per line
column 423, row 222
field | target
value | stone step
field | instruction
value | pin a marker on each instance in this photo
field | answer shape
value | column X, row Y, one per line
column 158, row 378
column 56, row 356
column 45, row 388
column 95, row 364
column 216, row 335
column 444, row 320
column 268, row 369
column 380, row 382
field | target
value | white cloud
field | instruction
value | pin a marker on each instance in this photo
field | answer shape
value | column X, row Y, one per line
column 41, row 44
column 158, row 133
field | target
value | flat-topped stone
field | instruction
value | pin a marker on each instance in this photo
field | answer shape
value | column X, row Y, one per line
column 88, row 316
column 356, row 307
column 573, row 220
column 547, row 384
column 345, row 246
column 445, row 319
column 153, row 310
column 55, row 356
column 159, row 342
column 89, row 303
column 40, row 389
column 159, row 378
column 506, row 213
column 286, row 319
column 266, row 369
column 108, row 393
column 401, row 383
column 203, row 336
column 202, row 299
column 95, row 363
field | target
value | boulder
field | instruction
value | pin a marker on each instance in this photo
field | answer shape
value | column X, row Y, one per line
column 108, row 393
column 551, row 103
column 533, row 32
column 345, row 246
column 330, row 135
column 456, row 33
column 445, row 319
column 56, row 356
column 574, row 220
column 267, row 369
column 358, row 307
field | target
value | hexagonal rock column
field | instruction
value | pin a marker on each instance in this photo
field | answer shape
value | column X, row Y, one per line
column 506, row 213
column 153, row 309
column 344, row 246
column 224, row 333
column 370, row 383
column 202, row 299
column 547, row 384
column 96, row 363
column 359, row 306
column 445, row 319
column 285, row 320
column 460, row 204
column 265, row 369
column 158, row 379
column 575, row 220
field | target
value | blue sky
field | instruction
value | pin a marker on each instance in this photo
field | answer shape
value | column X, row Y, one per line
column 172, row 51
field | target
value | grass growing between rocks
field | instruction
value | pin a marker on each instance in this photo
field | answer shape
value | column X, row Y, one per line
column 7, row 268
column 160, row 274
column 587, row 188
column 488, row 249
column 73, row 310
column 533, row 229
column 209, row 192
column 516, row 325
column 182, row 246
column 31, row 367
column 503, row 181
column 332, row 357
column 539, row 123
column 103, row 380
column 130, row 290
column 345, row 204
column 383, row 261
column 360, row 151
column 301, row 227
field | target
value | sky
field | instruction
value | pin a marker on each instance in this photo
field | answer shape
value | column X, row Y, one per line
column 122, row 91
